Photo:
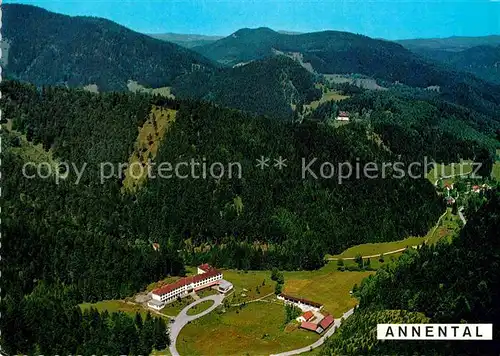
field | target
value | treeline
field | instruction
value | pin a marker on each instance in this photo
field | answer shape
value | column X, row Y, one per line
column 449, row 283
column 66, row 235
column 255, row 222
column 271, row 217
column 47, row 322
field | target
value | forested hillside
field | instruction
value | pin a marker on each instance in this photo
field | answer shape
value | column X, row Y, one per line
column 46, row 48
column 417, row 123
column 185, row 40
column 207, row 210
column 482, row 61
column 277, row 208
column 88, row 241
column 450, row 44
column 447, row 283
column 266, row 87
column 333, row 52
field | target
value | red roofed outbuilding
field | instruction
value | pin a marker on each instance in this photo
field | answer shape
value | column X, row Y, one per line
column 308, row 315
column 326, row 322
column 308, row 326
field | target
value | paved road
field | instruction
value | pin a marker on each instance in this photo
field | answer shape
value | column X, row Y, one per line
column 321, row 340
column 462, row 215
column 182, row 319
column 365, row 257
column 389, row 252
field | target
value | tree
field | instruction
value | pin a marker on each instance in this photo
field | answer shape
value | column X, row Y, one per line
column 278, row 289
column 359, row 260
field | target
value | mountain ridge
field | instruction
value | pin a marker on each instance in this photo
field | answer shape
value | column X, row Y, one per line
column 83, row 50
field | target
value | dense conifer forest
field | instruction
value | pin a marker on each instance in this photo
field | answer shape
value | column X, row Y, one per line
column 265, row 87
column 98, row 238
column 46, row 48
column 461, row 284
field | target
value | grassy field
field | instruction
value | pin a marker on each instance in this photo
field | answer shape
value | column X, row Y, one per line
column 249, row 285
column 176, row 306
column 116, row 306
column 370, row 249
column 330, row 95
column 446, row 171
column 495, row 173
column 446, row 228
column 375, row 262
column 146, row 146
column 259, row 326
column 206, row 292
column 136, row 87
column 198, row 308
column 449, row 226
column 255, row 329
column 326, row 285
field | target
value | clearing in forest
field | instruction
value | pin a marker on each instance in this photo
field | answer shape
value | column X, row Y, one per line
column 146, row 147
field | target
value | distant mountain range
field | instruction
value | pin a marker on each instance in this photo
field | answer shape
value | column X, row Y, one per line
column 329, row 52
column 48, row 48
column 193, row 40
column 186, row 40
column 477, row 55
column 451, row 44
column 334, row 52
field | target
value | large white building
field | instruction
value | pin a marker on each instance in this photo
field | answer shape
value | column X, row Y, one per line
column 207, row 276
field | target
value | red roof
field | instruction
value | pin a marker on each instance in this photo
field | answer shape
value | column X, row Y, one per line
column 326, row 322
column 308, row 315
column 205, row 267
column 185, row 281
column 308, row 326
column 343, row 114
column 476, row 187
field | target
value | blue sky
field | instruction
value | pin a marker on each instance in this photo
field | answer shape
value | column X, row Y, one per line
column 393, row 19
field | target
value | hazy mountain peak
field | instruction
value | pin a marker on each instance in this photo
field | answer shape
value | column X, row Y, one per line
column 254, row 31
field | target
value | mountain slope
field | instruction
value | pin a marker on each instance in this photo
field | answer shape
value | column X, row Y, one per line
column 451, row 44
column 331, row 52
column 482, row 61
column 449, row 283
column 268, row 87
column 327, row 51
column 185, row 40
column 49, row 48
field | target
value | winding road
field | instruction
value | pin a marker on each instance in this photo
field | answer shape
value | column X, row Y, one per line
column 183, row 319
column 321, row 340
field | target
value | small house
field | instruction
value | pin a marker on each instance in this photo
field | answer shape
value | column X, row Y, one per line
column 307, row 316
column 343, row 116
